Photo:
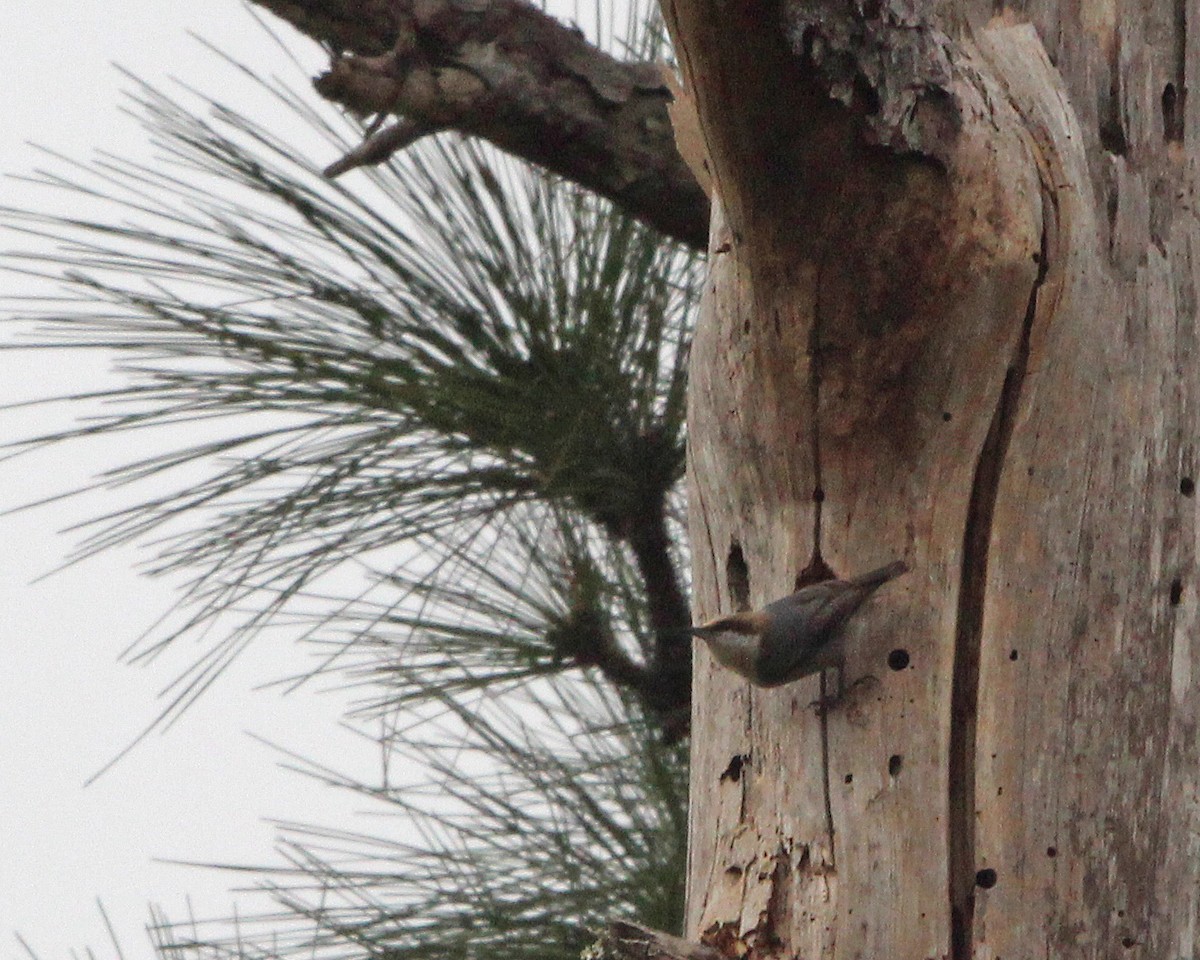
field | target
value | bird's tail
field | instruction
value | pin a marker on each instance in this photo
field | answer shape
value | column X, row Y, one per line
column 877, row 578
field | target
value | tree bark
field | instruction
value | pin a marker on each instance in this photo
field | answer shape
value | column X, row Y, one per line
column 505, row 71
column 951, row 318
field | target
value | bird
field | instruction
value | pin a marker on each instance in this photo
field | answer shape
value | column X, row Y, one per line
column 796, row 636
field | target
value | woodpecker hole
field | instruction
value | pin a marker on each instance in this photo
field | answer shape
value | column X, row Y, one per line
column 734, row 770
column 1187, row 486
column 947, row 416
column 898, row 659
column 737, row 577
column 985, row 878
column 1172, row 113
column 1128, row 942
column 849, row 778
column 1176, row 592
column 1013, row 655
column 1052, row 852
column 895, row 762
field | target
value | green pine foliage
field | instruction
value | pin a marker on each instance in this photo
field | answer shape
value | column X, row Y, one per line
column 440, row 401
column 535, row 818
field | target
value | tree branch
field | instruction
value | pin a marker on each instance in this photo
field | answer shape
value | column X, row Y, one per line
column 380, row 145
column 631, row 941
column 670, row 686
column 505, row 71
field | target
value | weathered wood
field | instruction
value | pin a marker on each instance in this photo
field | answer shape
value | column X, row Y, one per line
column 1021, row 426
column 952, row 315
column 505, row 71
column 812, row 393
column 1089, row 758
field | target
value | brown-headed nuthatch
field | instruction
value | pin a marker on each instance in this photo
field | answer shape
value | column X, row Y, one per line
column 796, row 636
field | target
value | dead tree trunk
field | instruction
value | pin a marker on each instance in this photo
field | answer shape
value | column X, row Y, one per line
column 952, row 318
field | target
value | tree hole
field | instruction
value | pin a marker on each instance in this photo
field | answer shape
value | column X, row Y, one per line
column 1176, row 591
column 1172, row 113
column 737, row 577
column 986, row 878
column 895, row 762
column 1013, row 655
column 734, row 770
column 898, row 659
column 1052, row 852
column 1112, row 134
column 1187, row 486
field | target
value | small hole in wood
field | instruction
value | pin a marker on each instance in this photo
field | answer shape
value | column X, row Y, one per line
column 1128, row 942
column 818, row 495
column 817, row 571
column 734, row 770
column 1187, row 486
column 898, row 659
column 895, row 762
column 1112, row 205
column 1112, row 135
column 1013, row 655
column 1052, row 852
column 1176, row 592
column 737, row 576
column 947, row 416
column 849, row 778
column 1172, row 113
column 986, row 878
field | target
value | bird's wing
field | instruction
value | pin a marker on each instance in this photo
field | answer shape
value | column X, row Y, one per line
column 803, row 627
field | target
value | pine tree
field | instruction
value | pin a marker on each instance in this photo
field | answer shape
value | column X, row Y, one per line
column 450, row 452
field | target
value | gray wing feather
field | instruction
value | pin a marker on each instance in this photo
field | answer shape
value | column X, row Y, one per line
column 806, row 625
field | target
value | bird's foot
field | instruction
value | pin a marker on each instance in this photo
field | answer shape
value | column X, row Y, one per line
column 843, row 694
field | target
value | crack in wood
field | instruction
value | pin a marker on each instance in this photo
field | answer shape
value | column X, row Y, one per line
column 964, row 696
column 817, row 569
column 1174, row 119
column 767, row 939
column 824, row 719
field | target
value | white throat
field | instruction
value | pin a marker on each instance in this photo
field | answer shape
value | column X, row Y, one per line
column 737, row 651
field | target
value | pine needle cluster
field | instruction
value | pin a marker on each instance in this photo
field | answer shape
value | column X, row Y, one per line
column 443, row 412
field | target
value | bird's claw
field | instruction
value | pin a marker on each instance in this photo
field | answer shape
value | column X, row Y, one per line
column 843, row 693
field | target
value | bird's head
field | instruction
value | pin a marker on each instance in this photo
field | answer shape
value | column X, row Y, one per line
column 748, row 623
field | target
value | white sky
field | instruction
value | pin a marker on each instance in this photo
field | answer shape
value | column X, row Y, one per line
column 201, row 791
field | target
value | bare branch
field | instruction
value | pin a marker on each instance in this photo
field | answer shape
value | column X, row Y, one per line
column 380, row 145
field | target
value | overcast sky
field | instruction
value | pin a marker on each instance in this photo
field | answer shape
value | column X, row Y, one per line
column 201, row 791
